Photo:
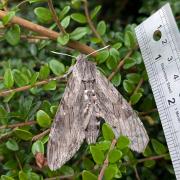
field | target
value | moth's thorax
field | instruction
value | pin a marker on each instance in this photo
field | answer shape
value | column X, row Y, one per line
column 86, row 69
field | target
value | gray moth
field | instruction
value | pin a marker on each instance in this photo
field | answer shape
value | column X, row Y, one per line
column 88, row 97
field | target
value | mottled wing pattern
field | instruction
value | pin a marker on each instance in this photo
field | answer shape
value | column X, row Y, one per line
column 67, row 132
column 116, row 111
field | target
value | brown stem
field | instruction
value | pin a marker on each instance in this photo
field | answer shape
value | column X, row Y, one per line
column 18, row 124
column 177, row 17
column 23, row 88
column 152, row 158
column 55, row 17
column 148, row 112
column 106, row 162
column 38, row 136
column 91, row 24
column 18, row 161
column 121, row 63
column 136, row 173
column 48, row 33
column 6, row 136
column 137, row 87
column 1, row 78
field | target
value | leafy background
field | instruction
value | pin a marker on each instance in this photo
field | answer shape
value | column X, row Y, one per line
column 31, row 87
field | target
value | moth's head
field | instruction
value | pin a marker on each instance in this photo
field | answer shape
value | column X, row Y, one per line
column 81, row 57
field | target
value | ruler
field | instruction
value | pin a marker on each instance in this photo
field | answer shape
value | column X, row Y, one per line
column 159, row 41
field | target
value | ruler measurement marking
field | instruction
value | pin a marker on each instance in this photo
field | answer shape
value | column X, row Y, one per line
column 167, row 107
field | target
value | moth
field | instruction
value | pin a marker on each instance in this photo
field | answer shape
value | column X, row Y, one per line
column 88, row 97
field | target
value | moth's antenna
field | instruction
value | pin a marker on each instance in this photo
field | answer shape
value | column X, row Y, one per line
column 64, row 54
column 98, row 50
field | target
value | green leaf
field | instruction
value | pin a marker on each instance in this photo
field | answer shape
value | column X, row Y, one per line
column 128, row 86
column 34, row 78
column 12, row 36
column 87, row 175
column 114, row 155
column 63, row 39
column 111, row 62
column 23, row 175
column 78, row 33
column 158, row 147
column 43, row 119
column 7, row 18
column 102, row 56
column 117, row 45
column 64, row 12
column 114, row 52
column 135, row 98
column 133, row 77
column 43, row 14
column 137, row 56
column 23, row 134
column 97, row 154
column 65, row 22
column 101, row 28
column 8, row 78
column 103, row 145
column 149, row 163
column 116, row 80
column 107, row 132
column 37, row 147
column 95, row 11
column 76, row 4
column 51, row 86
column 12, row 145
column 44, row 72
column 35, row 1
column 129, row 62
column 20, row 78
column 78, row 17
column 4, row 177
column 123, row 142
column 147, row 152
column 57, row 67
column 67, row 170
column 3, row 115
column 87, row 164
column 110, row 172
column 129, row 39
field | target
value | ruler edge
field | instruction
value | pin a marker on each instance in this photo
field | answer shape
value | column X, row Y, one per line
column 176, row 37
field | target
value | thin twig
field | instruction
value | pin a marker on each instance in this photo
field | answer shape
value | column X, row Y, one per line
column 106, row 162
column 152, row 158
column 48, row 33
column 40, row 135
column 91, row 24
column 18, row 124
column 177, row 17
column 148, row 112
column 60, row 177
column 136, row 173
column 137, row 87
column 23, row 88
column 55, row 17
column 19, row 162
column 6, row 136
column 121, row 63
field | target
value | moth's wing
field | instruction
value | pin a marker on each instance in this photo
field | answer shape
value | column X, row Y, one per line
column 116, row 111
column 67, row 132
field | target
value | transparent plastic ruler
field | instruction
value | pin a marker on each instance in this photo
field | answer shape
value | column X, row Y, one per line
column 162, row 61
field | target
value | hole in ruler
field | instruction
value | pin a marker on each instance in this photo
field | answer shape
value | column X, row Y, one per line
column 157, row 35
